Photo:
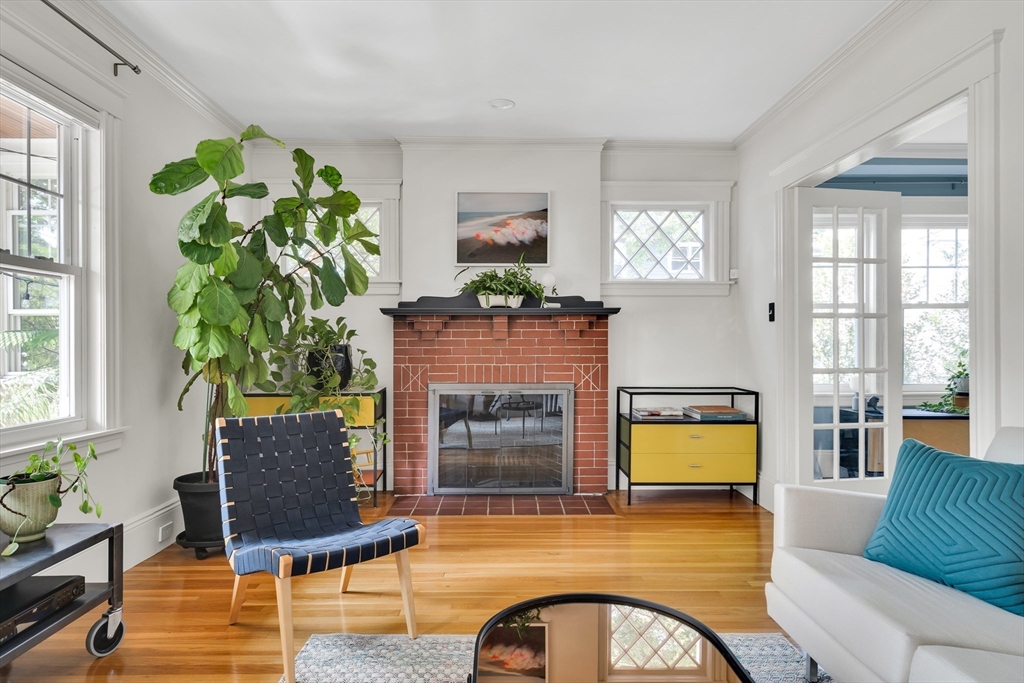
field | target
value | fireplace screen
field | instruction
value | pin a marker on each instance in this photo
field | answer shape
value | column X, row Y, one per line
column 488, row 438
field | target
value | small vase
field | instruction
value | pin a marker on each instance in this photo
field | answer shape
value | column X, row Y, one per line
column 31, row 498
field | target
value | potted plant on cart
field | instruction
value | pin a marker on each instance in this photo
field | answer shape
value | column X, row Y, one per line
column 241, row 287
column 506, row 289
column 31, row 497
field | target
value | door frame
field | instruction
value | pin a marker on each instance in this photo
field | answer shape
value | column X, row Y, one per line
column 968, row 81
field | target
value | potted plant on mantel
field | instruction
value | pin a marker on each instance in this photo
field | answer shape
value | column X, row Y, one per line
column 31, row 497
column 506, row 289
column 240, row 287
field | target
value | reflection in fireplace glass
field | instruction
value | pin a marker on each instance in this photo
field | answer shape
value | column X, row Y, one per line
column 501, row 442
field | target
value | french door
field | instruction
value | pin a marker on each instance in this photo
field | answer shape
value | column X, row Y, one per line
column 849, row 332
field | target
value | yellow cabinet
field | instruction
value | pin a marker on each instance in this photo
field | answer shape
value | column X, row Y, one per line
column 370, row 465
column 684, row 451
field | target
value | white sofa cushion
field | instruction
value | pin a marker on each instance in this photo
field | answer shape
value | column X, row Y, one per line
column 937, row 664
column 882, row 615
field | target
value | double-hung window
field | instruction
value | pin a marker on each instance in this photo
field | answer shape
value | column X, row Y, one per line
column 935, row 298
column 41, row 271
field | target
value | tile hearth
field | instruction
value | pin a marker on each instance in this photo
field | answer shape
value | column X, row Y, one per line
column 431, row 506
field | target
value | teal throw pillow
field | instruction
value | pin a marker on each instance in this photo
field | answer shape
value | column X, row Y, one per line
column 955, row 520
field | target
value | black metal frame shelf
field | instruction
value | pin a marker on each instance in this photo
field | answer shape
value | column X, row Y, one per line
column 624, row 421
column 61, row 542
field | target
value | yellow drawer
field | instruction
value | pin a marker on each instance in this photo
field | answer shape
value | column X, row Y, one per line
column 680, row 468
column 364, row 418
column 268, row 405
column 694, row 438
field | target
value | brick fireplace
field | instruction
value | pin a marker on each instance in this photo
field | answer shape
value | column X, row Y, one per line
column 478, row 346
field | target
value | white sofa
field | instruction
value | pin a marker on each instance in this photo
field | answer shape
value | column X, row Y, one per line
column 866, row 621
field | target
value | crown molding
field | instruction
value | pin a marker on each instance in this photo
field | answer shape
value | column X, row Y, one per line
column 436, row 144
column 90, row 13
column 880, row 26
column 343, row 146
column 668, row 148
column 918, row 150
column 33, row 33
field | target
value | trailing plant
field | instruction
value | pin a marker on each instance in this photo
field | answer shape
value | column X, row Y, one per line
column 378, row 439
column 307, row 383
column 515, row 281
column 53, row 464
column 947, row 402
column 520, row 621
column 240, row 287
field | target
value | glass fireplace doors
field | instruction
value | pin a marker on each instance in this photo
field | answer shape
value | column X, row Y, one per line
column 500, row 439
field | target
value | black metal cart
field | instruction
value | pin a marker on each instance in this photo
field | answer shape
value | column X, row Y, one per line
column 61, row 542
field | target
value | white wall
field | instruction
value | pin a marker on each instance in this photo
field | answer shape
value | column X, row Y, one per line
column 134, row 482
column 931, row 37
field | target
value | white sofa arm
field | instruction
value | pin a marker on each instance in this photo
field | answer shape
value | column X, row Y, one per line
column 825, row 519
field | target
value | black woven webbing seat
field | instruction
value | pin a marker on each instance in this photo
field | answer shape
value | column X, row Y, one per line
column 288, row 506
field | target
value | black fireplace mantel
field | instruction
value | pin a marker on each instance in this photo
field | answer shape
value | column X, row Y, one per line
column 466, row 304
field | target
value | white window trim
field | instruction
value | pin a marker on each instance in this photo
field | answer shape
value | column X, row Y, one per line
column 714, row 196
column 923, row 212
column 386, row 192
column 95, row 205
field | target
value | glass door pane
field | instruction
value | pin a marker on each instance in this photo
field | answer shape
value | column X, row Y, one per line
column 511, row 442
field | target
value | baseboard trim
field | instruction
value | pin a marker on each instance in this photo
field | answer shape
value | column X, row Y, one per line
column 140, row 534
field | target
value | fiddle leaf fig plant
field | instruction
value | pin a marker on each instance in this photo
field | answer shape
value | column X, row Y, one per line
column 242, row 286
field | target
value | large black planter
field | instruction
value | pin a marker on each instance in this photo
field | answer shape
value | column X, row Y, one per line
column 200, row 506
column 341, row 359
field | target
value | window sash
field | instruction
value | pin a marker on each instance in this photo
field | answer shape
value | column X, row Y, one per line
column 707, row 249
column 67, row 267
column 933, row 221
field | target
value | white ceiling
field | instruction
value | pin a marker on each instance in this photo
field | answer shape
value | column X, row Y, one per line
column 683, row 70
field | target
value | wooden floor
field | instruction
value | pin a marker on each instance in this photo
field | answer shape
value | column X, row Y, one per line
column 705, row 553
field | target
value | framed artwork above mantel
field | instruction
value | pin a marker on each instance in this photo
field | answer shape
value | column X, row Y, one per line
column 497, row 228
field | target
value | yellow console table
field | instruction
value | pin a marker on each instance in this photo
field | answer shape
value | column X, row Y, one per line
column 371, row 416
column 683, row 451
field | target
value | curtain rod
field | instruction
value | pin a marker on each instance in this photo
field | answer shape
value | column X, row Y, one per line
column 123, row 62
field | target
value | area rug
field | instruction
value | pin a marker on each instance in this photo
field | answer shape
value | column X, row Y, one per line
column 343, row 658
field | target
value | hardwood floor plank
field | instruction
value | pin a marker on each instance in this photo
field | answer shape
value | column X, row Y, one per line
column 705, row 553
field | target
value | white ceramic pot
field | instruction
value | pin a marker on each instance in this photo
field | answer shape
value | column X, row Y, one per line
column 498, row 300
column 31, row 499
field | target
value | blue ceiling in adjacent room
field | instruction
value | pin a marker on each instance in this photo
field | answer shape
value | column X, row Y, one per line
column 910, row 177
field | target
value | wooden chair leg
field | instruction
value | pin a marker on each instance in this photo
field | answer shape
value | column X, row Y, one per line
column 346, row 576
column 284, row 616
column 237, row 597
column 405, row 580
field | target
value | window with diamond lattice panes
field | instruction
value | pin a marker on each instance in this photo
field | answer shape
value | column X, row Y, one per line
column 668, row 244
column 641, row 640
column 369, row 216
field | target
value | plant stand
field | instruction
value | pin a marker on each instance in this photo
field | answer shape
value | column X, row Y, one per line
column 61, row 542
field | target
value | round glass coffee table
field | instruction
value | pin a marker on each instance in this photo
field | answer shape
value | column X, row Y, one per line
column 596, row 637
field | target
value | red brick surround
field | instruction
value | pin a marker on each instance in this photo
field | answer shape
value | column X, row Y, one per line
column 501, row 348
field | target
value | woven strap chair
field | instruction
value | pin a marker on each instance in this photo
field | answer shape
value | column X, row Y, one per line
column 288, row 505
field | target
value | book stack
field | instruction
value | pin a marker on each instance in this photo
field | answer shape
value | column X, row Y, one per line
column 658, row 413
column 715, row 414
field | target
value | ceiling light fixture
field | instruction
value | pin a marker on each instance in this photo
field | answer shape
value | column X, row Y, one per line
column 502, row 104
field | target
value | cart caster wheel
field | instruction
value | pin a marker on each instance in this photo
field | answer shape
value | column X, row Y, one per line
column 202, row 553
column 97, row 643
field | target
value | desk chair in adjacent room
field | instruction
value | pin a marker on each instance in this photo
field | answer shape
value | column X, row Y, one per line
column 288, row 504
